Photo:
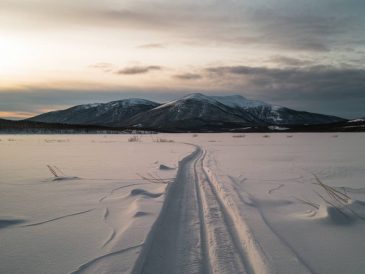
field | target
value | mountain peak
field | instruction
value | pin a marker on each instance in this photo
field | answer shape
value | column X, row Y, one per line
column 238, row 101
column 193, row 96
column 132, row 102
column 234, row 101
column 198, row 96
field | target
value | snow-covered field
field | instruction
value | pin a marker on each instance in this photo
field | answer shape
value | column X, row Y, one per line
column 206, row 203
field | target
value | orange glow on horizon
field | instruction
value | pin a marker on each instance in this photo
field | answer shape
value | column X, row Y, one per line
column 16, row 115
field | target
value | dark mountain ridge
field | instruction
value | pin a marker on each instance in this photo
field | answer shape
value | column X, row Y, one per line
column 195, row 112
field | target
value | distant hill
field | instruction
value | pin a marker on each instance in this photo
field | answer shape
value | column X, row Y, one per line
column 195, row 112
column 106, row 114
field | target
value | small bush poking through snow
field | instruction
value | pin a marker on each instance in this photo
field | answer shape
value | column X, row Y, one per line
column 239, row 136
column 162, row 140
column 156, row 179
column 336, row 205
column 57, row 140
column 134, row 138
column 53, row 171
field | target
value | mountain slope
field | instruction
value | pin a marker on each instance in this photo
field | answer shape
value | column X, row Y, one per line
column 108, row 114
column 197, row 111
column 273, row 114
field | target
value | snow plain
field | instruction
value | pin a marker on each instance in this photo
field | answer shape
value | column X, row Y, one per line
column 207, row 203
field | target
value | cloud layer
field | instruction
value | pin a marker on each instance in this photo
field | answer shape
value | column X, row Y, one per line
column 137, row 70
column 308, row 25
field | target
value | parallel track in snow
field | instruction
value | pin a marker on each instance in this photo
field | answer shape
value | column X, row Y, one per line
column 195, row 231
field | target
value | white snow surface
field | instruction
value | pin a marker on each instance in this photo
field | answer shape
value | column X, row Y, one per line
column 356, row 120
column 252, row 203
column 278, row 128
column 84, row 219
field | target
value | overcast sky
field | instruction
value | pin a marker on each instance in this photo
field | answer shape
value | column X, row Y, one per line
column 307, row 55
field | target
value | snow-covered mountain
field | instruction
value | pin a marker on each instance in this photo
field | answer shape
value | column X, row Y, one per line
column 109, row 114
column 195, row 111
column 198, row 111
column 192, row 112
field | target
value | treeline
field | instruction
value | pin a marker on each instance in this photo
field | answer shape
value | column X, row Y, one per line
column 29, row 127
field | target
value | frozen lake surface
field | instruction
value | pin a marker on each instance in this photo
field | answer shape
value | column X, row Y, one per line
column 182, row 203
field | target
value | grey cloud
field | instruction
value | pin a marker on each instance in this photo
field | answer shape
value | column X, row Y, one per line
column 299, row 29
column 309, row 25
column 188, row 76
column 137, row 70
column 320, row 85
column 63, row 14
column 111, row 68
column 242, row 70
column 289, row 61
column 313, row 78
